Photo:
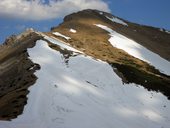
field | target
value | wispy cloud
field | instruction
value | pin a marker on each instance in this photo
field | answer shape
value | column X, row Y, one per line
column 37, row 10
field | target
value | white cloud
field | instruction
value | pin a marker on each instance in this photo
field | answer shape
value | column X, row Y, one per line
column 36, row 10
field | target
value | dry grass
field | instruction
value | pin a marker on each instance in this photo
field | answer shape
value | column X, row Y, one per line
column 94, row 42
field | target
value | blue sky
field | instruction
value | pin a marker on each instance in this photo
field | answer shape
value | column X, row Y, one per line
column 16, row 15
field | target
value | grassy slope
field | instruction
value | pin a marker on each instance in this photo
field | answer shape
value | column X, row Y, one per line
column 94, row 42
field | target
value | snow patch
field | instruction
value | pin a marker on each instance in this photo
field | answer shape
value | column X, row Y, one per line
column 62, row 45
column 163, row 30
column 135, row 49
column 101, row 13
column 73, row 30
column 61, row 35
column 116, row 20
column 167, row 32
column 62, row 98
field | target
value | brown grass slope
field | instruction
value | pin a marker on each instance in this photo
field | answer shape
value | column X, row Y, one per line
column 94, row 42
column 17, row 70
column 150, row 37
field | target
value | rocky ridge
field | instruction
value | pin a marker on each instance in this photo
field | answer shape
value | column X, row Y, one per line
column 17, row 70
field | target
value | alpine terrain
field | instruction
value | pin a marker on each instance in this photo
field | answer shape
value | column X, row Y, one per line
column 94, row 70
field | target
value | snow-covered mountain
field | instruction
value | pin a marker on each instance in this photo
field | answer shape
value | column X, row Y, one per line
column 94, row 70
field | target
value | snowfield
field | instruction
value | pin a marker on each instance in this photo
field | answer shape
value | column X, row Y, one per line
column 135, row 49
column 86, row 94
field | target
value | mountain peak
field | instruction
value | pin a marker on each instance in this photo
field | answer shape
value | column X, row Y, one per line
column 93, row 65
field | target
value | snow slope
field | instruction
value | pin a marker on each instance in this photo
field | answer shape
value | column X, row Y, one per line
column 135, row 49
column 86, row 94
